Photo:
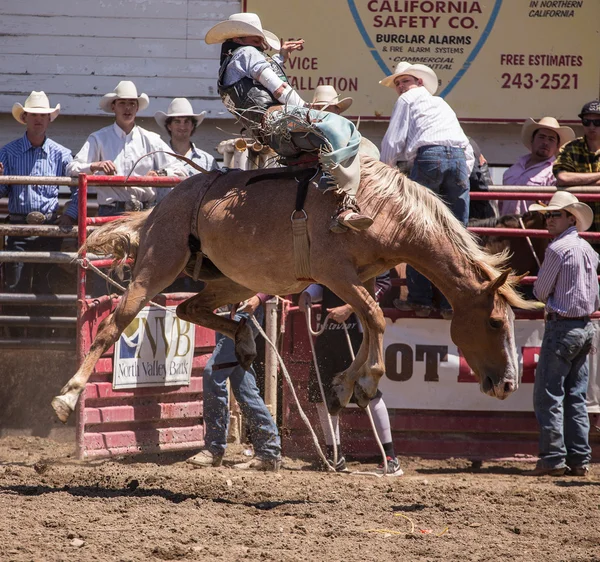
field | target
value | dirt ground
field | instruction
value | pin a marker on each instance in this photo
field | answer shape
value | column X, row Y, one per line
column 53, row 507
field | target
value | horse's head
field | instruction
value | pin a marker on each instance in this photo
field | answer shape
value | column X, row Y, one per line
column 483, row 329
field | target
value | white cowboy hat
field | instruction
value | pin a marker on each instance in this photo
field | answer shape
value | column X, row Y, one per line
column 564, row 200
column 326, row 96
column 241, row 25
column 37, row 102
column 179, row 107
column 429, row 77
column 565, row 134
column 388, row 81
column 125, row 90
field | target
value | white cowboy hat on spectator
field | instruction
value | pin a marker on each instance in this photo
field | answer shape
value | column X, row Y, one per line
column 37, row 102
column 565, row 134
column 563, row 200
column 179, row 107
column 125, row 90
column 326, row 96
column 388, row 81
column 241, row 25
column 429, row 77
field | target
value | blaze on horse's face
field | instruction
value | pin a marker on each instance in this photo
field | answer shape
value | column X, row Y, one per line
column 484, row 333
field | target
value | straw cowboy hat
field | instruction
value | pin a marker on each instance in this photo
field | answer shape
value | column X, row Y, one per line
column 565, row 134
column 241, row 25
column 388, row 81
column 37, row 102
column 125, row 90
column 326, row 96
column 179, row 107
column 564, row 200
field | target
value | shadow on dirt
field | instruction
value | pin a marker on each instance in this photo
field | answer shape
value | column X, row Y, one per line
column 133, row 490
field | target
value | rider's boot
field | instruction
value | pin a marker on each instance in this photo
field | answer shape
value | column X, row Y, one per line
column 346, row 179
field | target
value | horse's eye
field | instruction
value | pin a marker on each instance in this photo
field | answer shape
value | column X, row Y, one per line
column 496, row 324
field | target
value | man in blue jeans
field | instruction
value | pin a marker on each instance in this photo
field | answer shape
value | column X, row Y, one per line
column 424, row 131
column 221, row 366
column 568, row 283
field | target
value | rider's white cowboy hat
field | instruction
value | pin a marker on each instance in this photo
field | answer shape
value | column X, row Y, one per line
column 179, row 107
column 241, row 25
column 565, row 134
column 37, row 102
column 326, row 96
column 398, row 71
column 564, row 200
column 125, row 90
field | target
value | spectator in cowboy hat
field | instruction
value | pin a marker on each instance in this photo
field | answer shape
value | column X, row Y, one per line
column 578, row 162
column 34, row 154
column 326, row 98
column 425, row 132
column 116, row 148
column 180, row 122
column 543, row 139
column 568, row 283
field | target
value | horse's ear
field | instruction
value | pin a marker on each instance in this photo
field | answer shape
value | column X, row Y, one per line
column 498, row 282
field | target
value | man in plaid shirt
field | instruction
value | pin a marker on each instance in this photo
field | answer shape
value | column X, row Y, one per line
column 578, row 162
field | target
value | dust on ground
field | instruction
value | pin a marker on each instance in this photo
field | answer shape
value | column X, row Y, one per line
column 55, row 508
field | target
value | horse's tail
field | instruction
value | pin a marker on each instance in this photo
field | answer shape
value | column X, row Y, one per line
column 119, row 238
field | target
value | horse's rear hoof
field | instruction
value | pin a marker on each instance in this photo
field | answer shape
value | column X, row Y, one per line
column 333, row 405
column 338, row 398
column 61, row 408
column 361, row 396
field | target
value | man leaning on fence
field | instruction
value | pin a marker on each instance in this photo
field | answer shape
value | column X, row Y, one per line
column 543, row 140
column 34, row 154
column 114, row 150
column 578, row 162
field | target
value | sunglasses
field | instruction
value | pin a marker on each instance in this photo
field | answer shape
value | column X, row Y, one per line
column 589, row 122
column 553, row 214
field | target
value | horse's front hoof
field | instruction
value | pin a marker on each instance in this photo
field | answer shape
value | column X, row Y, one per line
column 62, row 409
column 245, row 361
column 245, row 346
column 339, row 395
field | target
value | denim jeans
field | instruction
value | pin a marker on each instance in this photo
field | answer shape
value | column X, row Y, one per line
column 559, row 394
column 30, row 277
column 443, row 170
column 263, row 429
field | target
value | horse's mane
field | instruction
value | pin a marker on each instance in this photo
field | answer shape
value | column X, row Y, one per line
column 420, row 214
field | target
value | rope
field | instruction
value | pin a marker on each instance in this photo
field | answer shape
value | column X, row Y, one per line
column 530, row 243
column 89, row 265
column 288, row 380
column 367, row 409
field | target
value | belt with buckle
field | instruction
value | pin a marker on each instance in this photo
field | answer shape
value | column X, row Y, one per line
column 35, row 217
column 554, row 316
column 127, row 205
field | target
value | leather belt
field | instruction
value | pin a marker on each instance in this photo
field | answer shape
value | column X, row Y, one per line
column 127, row 205
column 35, row 217
column 554, row 316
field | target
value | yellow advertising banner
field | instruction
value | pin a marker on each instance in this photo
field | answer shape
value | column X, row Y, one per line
column 496, row 60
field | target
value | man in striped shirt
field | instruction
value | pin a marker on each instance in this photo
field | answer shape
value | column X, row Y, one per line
column 34, row 154
column 424, row 131
column 568, row 283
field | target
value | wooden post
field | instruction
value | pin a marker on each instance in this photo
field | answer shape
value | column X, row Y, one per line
column 270, row 357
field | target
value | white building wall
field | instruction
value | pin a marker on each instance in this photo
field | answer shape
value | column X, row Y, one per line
column 78, row 50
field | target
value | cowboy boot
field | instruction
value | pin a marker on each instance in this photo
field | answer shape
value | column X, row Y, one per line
column 346, row 179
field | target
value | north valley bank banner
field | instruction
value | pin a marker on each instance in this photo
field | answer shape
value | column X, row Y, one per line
column 425, row 371
column 496, row 60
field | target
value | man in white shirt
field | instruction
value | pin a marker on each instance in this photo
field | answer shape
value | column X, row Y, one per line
column 543, row 139
column 180, row 122
column 425, row 132
column 115, row 149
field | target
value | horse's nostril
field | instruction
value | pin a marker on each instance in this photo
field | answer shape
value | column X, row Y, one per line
column 487, row 384
column 509, row 387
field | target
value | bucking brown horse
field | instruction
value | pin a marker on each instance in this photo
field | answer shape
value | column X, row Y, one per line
column 242, row 220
